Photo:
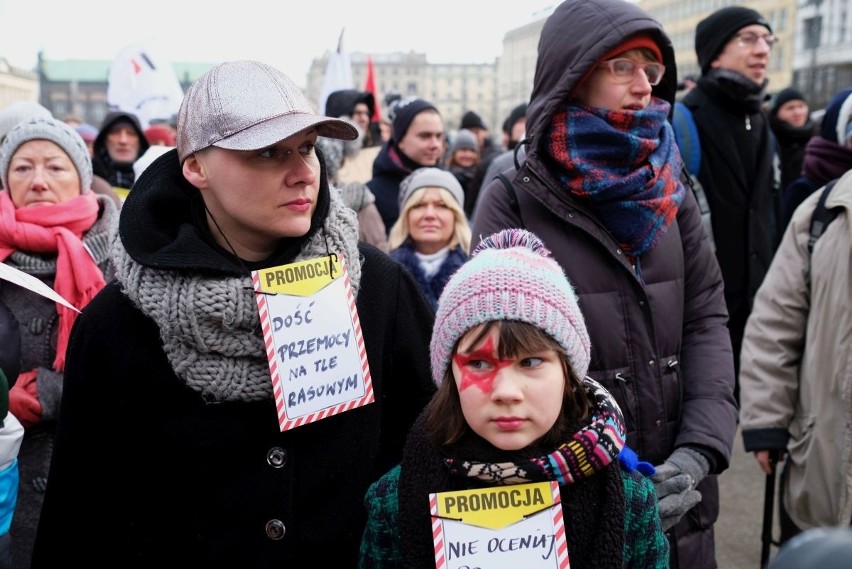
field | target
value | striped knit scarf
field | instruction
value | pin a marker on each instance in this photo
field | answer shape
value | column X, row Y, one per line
column 593, row 500
column 624, row 165
column 590, row 449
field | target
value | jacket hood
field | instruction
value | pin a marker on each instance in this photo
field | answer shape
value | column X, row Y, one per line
column 342, row 103
column 834, row 117
column 575, row 37
column 112, row 118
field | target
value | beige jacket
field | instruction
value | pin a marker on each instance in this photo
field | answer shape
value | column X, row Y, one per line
column 796, row 374
column 358, row 168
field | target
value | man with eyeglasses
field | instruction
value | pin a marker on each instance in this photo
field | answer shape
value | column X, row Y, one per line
column 734, row 45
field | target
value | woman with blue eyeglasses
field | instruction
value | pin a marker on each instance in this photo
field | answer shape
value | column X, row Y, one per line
column 601, row 186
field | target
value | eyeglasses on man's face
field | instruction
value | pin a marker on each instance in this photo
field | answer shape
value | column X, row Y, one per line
column 624, row 70
column 750, row 39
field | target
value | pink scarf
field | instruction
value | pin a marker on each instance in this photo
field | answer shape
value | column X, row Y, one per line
column 58, row 229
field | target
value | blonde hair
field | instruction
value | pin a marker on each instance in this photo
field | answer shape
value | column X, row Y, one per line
column 400, row 232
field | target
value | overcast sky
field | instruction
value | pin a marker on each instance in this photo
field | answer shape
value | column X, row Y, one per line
column 285, row 34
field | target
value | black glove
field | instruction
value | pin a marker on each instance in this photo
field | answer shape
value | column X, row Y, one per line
column 675, row 483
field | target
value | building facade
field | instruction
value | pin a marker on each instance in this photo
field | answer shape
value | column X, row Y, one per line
column 814, row 54
column 454, row 88
column 16, row 84
column 78, row 87
column 822, row 62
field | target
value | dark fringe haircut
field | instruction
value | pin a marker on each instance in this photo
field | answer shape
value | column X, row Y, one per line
column 445, row 423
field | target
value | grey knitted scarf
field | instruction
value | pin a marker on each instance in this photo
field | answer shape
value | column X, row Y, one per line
column 210, row 327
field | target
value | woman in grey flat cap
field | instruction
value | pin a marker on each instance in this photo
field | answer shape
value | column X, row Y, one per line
column 177, row 442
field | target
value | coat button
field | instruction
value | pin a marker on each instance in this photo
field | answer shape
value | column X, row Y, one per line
column 275, row 529
column 37, row 325
column 276, row 457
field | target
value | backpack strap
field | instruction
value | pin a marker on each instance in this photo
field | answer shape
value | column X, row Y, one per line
column 692, row 183
column 511, row 195
column 686, row 137
column 820, row 219
column 510, row 192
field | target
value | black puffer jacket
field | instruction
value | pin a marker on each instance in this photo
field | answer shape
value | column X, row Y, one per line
column 739, row 179
column 659, row 341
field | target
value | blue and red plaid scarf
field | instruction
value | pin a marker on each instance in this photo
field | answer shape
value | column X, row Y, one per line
column 624, row 165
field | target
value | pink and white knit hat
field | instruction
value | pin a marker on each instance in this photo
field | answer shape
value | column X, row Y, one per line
column 510, row 276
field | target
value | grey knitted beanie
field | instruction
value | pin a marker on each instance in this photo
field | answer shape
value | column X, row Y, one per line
column 429, row 178
column 20, row 111
column 464, row 139
column 56, row 131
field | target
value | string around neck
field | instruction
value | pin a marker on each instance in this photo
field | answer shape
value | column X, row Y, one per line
column 227, row 241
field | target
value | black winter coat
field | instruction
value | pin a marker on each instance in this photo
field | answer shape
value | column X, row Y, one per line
column 745, row 204
column 153, row 447
column 164, row 478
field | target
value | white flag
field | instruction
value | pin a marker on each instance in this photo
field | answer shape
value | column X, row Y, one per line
column 143, row 83
column 30, row 282
column 338, row 73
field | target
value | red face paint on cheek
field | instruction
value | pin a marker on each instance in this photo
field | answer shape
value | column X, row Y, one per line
column 483, row 379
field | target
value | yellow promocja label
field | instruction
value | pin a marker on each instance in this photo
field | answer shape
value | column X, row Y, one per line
column 301, row 279
column 121, row 192
column 497, row 507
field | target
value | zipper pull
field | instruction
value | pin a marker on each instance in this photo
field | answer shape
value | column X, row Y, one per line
column 748, row 123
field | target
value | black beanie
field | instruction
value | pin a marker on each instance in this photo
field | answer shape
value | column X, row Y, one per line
column 517, row 114
column 785, row 96
column 405, row 111
column 472, row 120
column 714, row 31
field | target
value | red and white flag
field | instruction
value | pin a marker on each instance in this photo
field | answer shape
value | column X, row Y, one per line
column 370, row 87
column 143, row 83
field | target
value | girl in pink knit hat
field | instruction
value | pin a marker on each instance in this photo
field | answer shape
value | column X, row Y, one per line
column 514, row 407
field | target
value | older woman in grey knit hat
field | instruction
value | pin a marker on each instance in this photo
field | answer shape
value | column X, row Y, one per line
column 53, row 227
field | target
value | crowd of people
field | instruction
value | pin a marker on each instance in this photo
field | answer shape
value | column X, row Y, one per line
column 548, row 308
